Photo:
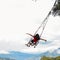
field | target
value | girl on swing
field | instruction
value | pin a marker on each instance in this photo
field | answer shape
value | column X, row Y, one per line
column 35, row 40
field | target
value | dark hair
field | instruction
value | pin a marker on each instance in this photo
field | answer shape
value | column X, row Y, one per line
column 37, row 36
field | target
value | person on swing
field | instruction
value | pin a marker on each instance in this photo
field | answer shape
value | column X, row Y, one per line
column 35, row 40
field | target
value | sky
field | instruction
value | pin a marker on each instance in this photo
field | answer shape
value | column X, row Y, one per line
column 18, row 17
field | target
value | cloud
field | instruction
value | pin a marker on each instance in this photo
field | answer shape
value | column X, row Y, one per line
column 41, row 48
column 4, row 52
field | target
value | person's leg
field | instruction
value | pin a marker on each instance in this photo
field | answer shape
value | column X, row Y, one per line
column 30, row 43
column 35, row 44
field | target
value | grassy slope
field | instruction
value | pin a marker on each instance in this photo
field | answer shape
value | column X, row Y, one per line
column 50, row 58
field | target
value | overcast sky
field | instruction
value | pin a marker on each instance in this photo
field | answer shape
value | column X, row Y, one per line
column 18, row 17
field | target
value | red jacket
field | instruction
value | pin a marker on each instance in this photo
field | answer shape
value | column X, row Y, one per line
column 35, row 39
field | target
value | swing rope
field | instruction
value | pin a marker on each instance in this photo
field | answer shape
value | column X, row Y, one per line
column 44, row 21
column 43, row 24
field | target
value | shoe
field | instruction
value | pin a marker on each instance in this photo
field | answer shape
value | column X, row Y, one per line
column 34, row 46
column 45, row 40
column 27, row 45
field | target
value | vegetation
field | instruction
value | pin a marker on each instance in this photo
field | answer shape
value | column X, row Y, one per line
column 50, row 58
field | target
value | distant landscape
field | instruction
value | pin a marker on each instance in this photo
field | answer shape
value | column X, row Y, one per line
column 42, row 58
column 6, row 59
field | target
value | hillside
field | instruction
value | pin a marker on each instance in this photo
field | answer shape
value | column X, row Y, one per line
column 50, row 58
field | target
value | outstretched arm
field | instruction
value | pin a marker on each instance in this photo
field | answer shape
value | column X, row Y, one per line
column 30, row 34
column 43, row 39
